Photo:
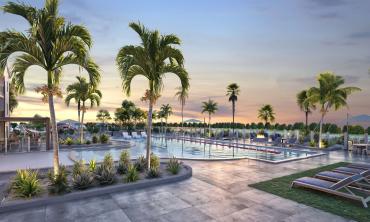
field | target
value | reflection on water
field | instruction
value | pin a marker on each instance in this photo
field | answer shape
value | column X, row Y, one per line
column 192, row 150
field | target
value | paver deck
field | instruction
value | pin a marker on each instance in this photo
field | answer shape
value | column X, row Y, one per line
column 218, row 191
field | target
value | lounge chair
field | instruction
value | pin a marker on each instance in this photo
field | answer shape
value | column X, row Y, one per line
column 143, row 134
column 135, row 135
column 359, row 165
column 348, row 170
column 335, row 188
column 335, row 177
column 126, row 135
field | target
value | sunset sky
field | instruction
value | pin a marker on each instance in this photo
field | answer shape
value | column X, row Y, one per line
column 272, row 49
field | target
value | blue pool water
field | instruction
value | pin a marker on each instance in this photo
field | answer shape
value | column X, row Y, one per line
column 195, row 150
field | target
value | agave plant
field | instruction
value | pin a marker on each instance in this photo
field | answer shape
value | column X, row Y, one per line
column 26, row 183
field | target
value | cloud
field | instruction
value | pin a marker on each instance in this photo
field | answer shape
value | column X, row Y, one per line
column 360, row 35
column 328, row 3
column 330, row 15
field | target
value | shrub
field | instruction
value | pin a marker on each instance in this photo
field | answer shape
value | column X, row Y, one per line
column 124, row 162
column 132, row 175
column 312, row 144
column 95, row 139
column 88, row 142
column 92, row 165
column 58, row 183
column 26, row 183
column 68, row 141
column 81, row 176
column 174, row 166
column 140, row 163
column 104, row 138
column 105, row 173
column 154, row 161
column 153, row 173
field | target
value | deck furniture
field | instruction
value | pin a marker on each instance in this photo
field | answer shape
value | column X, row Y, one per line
column 348, row 170
column 126, row 135
column 135, row 135
column 361, row 148
column 341, row 188
column 359, row 165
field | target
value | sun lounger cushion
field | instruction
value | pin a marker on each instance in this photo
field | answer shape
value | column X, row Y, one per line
column 349, row 170
column 346, row 182
column 359, row 165
column 315, row 182
column 333, row 175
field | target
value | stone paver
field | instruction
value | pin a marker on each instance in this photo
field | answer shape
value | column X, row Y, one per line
column 218, row 191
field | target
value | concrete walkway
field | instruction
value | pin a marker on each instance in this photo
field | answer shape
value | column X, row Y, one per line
column 218, row 191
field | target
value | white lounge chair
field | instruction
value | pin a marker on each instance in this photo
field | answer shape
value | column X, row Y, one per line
column 126, row 135
column 143, row 134
column 135, row 135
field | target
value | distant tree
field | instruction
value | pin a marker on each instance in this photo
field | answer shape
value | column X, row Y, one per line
column 103, row 116
column 305, row 103
column 266, row 114
column 166, row 111
column 233, row 91
column 209, row 107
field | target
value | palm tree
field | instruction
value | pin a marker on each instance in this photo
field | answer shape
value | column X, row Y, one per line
column 329, row 94
column 305, row 104
column 155, row 57
column 209, row 107
column 233, row 91
column 81, row 92
column 13, row 103
column 50, row 43
column 166, row 110
column 266, row 114
column 182, row 95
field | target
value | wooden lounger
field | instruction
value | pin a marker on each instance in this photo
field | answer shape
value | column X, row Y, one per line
column 335, row 188
column 335, row 177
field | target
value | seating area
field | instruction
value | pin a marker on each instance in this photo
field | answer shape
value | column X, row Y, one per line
column 134, row 135
column 351, row 182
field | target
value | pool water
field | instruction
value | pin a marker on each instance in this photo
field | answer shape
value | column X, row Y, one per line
column 196, row 150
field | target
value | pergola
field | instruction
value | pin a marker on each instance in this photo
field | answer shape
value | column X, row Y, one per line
column 46, row 120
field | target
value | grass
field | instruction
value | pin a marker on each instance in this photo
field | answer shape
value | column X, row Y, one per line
column 329, row 203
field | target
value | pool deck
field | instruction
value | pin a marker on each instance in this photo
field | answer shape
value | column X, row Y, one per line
column 218, row 191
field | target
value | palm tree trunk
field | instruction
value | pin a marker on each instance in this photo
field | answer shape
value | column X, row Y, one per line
column 233, row 116
column 209, row 125
column 182, row 119
column 306, row 121
column 149, row 134
column 54, row 134
column 320, row 132
column 82, row 122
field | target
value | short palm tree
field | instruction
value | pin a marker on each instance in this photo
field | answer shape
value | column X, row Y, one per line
column 82, row 92
column 182, row 95
column 49, row 43
column 233, row 91
column 305, row 104
column 166, row 110
column 155, row 57
column 329, row 94
column 103, row 116
column 266, row 113
column 209, row 107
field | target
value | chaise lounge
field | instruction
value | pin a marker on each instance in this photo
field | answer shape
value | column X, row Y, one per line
column 343, row 188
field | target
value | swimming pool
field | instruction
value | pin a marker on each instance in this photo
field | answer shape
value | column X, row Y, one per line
column 201, row 151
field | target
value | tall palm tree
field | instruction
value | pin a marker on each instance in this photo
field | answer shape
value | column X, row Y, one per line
column 233, row 91
column 266, row 113
column 13, row 102
column 305, row 104
column 182, row 96
column 329, row 94
column 209, row 107
column 82, row 91
column 166, row 110
column 155, row 57
column 49, row 43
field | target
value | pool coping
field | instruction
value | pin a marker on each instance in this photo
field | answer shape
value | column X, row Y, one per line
column 184, row 174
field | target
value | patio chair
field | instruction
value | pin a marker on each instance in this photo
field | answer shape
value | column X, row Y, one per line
column 135, row 135
column 143, row 134
column 341, row 188
column 126, row 135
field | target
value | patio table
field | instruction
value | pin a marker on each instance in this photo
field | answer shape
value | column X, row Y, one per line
column 362, row 147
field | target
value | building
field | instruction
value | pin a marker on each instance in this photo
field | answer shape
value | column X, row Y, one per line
column 4, row 107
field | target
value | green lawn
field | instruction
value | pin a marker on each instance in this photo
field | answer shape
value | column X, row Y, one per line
column 339, row 206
